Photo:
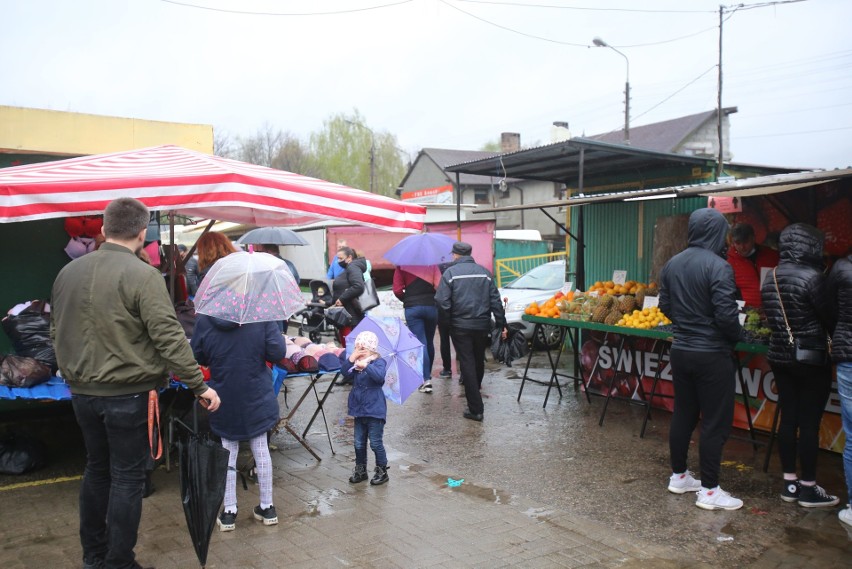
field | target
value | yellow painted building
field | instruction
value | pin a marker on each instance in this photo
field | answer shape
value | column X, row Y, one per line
column 63, row 134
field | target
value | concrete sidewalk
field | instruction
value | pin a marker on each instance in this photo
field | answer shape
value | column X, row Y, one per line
column 415, row 520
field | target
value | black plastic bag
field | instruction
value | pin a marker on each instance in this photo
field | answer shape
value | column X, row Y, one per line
column 338, row 316
column 20, row 371
column 20, row 454
column 30, row 333
column 512, row 348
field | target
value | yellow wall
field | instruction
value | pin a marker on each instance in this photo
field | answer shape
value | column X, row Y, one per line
column 41, row 131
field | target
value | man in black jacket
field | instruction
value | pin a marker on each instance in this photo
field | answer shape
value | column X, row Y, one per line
column 840, row 292
column 698, row 293
column 468, row 295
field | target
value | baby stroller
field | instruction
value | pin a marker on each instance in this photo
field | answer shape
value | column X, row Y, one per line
column 313, row 323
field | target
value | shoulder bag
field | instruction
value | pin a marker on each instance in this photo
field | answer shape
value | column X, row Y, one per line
column 807, row 351
column 369, row 298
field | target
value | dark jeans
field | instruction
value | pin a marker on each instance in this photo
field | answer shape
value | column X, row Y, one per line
column 373, row 429
column 704, row 386
column 470, row 351
column 446, row 354
column 802, row 394
column 422, row 321
column 116, row 438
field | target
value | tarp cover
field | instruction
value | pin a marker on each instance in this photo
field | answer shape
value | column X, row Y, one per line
column 196, row 184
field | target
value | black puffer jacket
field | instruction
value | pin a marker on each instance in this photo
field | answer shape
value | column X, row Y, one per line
column 468, row 295
column 349, row 285
column 697, row 289
column 840, row 297
column 803, row 292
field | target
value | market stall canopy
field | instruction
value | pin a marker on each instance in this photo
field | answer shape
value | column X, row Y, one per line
column 171, row 178
column 563, row 161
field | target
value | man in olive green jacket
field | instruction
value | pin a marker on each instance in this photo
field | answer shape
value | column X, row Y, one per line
column 116, row 337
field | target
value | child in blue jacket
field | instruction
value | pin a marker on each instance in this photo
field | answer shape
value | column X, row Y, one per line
column 367, row 405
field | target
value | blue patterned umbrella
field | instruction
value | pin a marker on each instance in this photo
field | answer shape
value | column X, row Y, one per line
column 400, row 348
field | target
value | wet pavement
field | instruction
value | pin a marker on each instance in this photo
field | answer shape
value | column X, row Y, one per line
column 543, row 487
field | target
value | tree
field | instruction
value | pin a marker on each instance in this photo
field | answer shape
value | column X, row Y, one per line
column 262, row 148
column 223, row 145
column 342, row 154
column 491, row 146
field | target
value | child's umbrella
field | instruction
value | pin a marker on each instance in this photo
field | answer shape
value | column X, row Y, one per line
column 402, row 351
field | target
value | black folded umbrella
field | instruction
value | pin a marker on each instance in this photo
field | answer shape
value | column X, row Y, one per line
column 203, row 469
column 513, row 347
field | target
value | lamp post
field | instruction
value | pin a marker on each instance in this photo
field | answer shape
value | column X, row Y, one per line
column 601, row 43
column 372, row 152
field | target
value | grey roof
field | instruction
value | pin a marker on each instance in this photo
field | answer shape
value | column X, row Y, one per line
column 665, row 136
column 444, row 157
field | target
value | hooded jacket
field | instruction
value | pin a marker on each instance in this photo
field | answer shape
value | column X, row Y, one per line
column 697, row 290
column 237, row 356
column 366, row 398
column 840, row 297
column 803, row 292
column 468, row 297
column 349, row 285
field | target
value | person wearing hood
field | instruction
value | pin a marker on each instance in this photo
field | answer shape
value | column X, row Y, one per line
column 237, row 355
column 840, row 295
column 797, row 308
column 348, row 286
column 698, row 293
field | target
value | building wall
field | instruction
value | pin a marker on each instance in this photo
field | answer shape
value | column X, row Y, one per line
column 425, row 174
column 704, row 141
column 59, row 133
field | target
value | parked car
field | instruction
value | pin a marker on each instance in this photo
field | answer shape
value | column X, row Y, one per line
column 537, row 285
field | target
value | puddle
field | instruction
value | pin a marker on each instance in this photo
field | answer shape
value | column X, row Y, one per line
column 492, row 495
column 538, row 513
column 322, row 504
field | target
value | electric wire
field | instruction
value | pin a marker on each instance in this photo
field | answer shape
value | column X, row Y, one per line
column 251, row 13
column 585, row 8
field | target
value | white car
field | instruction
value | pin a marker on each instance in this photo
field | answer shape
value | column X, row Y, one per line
column 537, row 285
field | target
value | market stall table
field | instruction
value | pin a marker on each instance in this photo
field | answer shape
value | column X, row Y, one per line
column 626, row 337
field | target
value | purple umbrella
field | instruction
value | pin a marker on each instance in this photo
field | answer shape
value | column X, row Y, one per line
column 422, row 249
column 400, row 348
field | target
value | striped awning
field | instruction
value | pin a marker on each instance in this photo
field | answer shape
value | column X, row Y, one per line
column 171, row 178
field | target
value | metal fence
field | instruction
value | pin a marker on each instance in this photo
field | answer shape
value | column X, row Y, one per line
column 507, row 270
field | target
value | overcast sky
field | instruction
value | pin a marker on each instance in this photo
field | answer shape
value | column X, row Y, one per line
column 444, row 73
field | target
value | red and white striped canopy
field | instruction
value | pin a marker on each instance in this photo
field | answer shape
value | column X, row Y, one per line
column 170, row 178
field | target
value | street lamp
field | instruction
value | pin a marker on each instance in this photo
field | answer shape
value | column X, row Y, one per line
column 601, row 43
column 372, row 152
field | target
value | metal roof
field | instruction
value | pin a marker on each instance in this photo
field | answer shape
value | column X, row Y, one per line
column 560, row 162
column 760, row 185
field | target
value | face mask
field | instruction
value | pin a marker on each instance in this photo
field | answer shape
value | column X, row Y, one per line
column 342, row 264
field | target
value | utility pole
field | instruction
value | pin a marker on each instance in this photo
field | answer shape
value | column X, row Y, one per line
column 601, row 43
column 719, row 102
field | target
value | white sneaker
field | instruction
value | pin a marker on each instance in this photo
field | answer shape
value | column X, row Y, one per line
column 717, row 499
column 845, row 515
column 683, row 483
column 426, row 387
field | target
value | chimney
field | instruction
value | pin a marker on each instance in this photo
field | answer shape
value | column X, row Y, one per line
column 510, row 142
column 559, row 131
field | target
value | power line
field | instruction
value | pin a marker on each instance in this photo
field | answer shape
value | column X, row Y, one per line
column 794, row 133
column 584, row 8
column 250, row 13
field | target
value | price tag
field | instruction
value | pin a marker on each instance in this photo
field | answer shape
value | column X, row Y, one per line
column 742, row 317
column 650, row 302
column 594, row 294
column 619, row 277
column 740, row 304
column 566, row 288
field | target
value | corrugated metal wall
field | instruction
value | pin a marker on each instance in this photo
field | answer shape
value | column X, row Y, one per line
column 620, row 236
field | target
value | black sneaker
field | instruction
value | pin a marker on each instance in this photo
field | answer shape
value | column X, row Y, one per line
column 359, row 474
column 268, row 516
column 94, row 564
column 473, row 416
column 446, row 373
column 381, row 476
column 791, row 491
column 227, row 521
column 815, row 497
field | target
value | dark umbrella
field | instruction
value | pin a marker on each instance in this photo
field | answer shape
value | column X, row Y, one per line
column 203, row 468
column 272, row 236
